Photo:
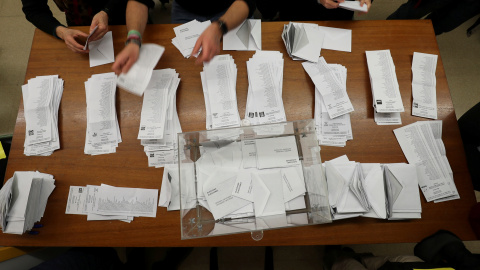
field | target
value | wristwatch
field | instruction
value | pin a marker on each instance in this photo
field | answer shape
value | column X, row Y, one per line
column 222, row 26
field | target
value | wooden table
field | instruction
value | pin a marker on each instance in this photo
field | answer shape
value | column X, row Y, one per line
column 129, row 168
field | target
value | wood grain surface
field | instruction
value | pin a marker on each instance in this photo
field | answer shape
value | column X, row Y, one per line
column 129, row 167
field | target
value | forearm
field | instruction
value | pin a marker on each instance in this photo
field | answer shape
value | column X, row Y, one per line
column 38, row 13
column 236, row 14
column 137, row 16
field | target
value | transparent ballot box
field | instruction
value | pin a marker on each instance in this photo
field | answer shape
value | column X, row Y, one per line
column 251, row 179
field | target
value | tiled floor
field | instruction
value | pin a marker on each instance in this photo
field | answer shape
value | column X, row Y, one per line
column 461, row 61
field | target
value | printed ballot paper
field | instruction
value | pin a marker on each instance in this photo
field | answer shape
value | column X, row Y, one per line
column 303, row 41
column 159, row 122
column 422, row 145
column 265, row 82
column 187, row 35
column 138, row 76
column 246, row 37
column 424, row 85
column 219, row 81
column 101, row 51
column 23, row 199
column 41, row 101
column 103, row 132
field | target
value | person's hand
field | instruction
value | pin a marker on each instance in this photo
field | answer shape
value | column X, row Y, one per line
column 100, row 19
column 70, row 36
column 365, row 2
column 209, row 41
column 126, row 58
column 330, row 4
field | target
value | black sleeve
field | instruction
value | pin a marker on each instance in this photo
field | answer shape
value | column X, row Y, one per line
column 38, row 13
column 116, row 11
column 251, row 7
column 148, row 3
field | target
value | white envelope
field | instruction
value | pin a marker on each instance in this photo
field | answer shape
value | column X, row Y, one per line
column 101, row 51
column 308, row 41
column 375, row 189
column 337, row 39
column 404, row 188
column 354, row 6
column 246, row 37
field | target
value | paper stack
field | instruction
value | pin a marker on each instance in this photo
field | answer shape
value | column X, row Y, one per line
column 424, row 85
column 136, row 79
column 112, row 203
column 187, row 35
column 332, row 104
column 219, row 81
column 41, row 100
column 246, row 37
column 23, row 199
column 422, row 145
column 159, row 124
column 303, row 41
column 385, row 90
column 388, row 191
column 264, row 99
column 353, row 6
column 103, row 132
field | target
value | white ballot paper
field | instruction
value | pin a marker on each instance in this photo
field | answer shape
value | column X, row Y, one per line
column 41, row 101
column 138, row 76
column 353, row 6
column 277, row 152
column 265, row 78
column 101, row 51
column 303, row 41
column 424, row 85
column 331, row 88
column 23, row 199
column 246, row 37
column 187, row 35
column 383, row 80
column 422, row 146
column 76, row 200
column 336, row 39
column 219, row 80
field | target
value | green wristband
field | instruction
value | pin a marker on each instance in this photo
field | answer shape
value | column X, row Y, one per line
column 134, row 32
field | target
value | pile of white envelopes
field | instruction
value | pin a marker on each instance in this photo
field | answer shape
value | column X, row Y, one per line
column 186, row 36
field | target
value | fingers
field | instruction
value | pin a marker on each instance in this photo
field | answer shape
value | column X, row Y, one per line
column 197, row 46
column 126, row 58
column 71, row 42
column 330, row 4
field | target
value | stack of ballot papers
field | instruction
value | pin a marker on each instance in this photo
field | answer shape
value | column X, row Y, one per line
column 101, row 51
column 159, row 123
column 112, row 203
column 138, row 76
column 424, row 85
column 219, row 82
column 246, row 37
column 422, row 145
column 385, row 90
column 238, row 179
column 303, row 41
column 384, row 191
column 103, row 132
column 186, row 36
column 41, row 100
column 332, row 104
column 353, row 6
column 265, row 82
column 23, row 199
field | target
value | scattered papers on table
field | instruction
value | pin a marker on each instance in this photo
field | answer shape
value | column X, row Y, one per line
column 41, row 100
column 265, row 82
column 159, row 123
column 103, row 131
column 112, row 203
column 422, row 145
column 303, row 41
column 353, row 6
column 246, row 37
column 424, row 85
column 385, row 89
column 219, row 82
column 138, row 76
column 187, row 35
column 101, row 51
column 23, row 199
column 388, row 191
column 332, row 104
column 336, row 39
